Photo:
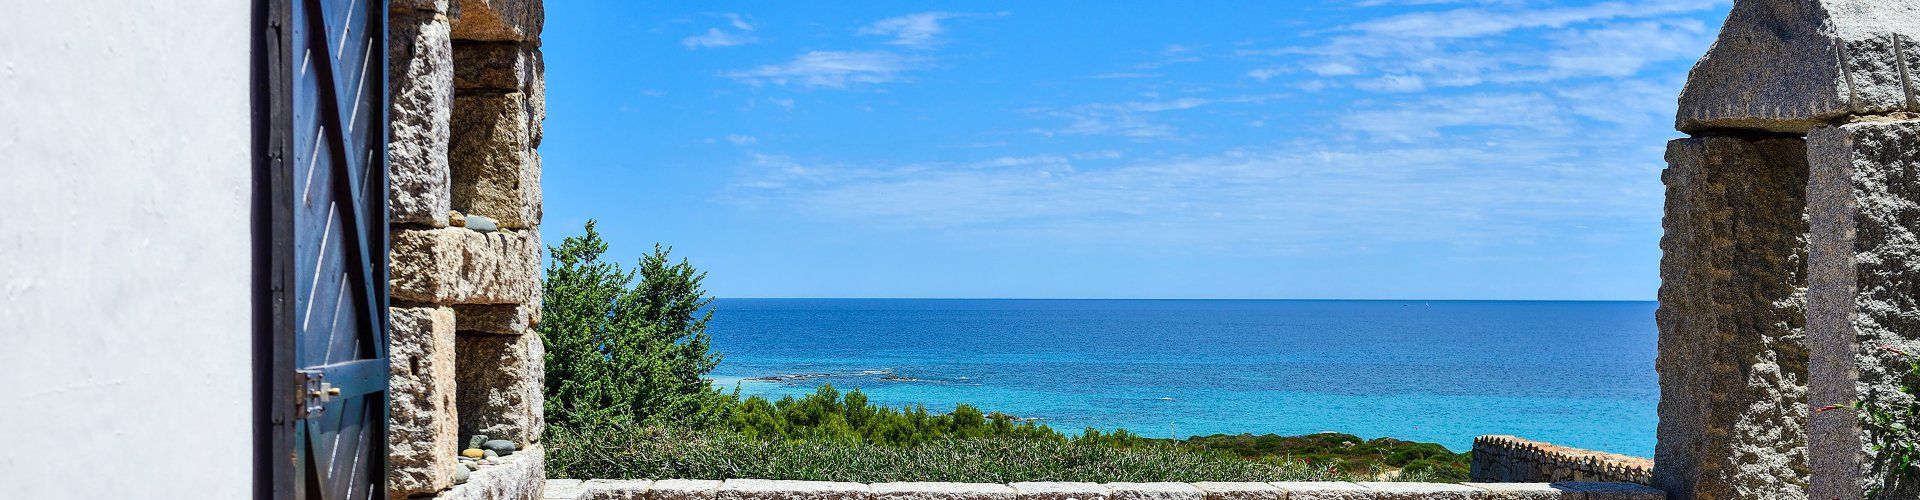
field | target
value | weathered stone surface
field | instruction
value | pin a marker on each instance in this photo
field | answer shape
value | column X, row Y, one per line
column 500, row 319
column 493, row 171
column 1421, row 491
column 500, row 386
column 499, row 20
column 564, row 489
column 942, row 491
column 1509, row 459
column 1864, row 201
column 1239, row 491
column 402, row 6
column 1733, row 359
column 460, row 266
column 422, row 424
column 502, row 66
column 614, row 489
column 766, row 489
column 1323, row 490
column 1061, row 491
column 522, row 475
column 420, row 71
column 1154, row 491
column 537, row 97
column 1790, row 65
column 683, row 489
column 1613, row 491
column 1517, row 491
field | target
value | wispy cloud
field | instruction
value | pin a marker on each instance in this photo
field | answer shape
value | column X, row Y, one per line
column 1469, row 46
column 716, row 37
column 1131, row 119
column 832, row 69
column 911, row 30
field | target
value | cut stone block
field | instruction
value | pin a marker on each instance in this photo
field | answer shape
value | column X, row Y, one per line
column 500, row 387
column 499, row 20
column 1864, row 201
column 462, row 266
column 403, row 6
column 942, row 491
column 565, row 489
column 1421, row 491
column 1324, row 490
column 422, row 424
column 1239, row 491
column 520, row 475
column 1791, row 65
column 503, row 66
column 1733, row 356
column 613, row 489
column 1061, row 491
column 537, row 96
column 499, row 319
column 420, row 69
column 1612, row 491
column 493, row 171
column 1519, row 491
column 1154, row 491
column 683, row 489
column 765, row 489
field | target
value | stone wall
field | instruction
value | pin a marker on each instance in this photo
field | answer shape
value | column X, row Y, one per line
column 1791, row 259
column 759, row 489
column 1508, row 459
column 467, row 104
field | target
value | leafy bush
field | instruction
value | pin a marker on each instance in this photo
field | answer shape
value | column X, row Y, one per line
column 827, row 415
column 632, row 452
column 1891, row 425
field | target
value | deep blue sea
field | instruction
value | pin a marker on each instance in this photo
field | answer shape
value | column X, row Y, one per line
column 1573, row 373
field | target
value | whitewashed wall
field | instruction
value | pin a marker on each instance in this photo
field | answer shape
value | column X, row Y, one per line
column 125, row 249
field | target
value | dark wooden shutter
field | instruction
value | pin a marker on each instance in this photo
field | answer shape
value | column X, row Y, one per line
column 326, row 162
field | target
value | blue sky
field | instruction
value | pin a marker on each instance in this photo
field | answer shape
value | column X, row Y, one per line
column 1429, row 149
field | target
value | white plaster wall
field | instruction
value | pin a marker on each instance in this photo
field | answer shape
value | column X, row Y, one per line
column 125, row 249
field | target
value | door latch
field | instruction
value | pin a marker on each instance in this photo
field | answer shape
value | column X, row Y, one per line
column 312, row 393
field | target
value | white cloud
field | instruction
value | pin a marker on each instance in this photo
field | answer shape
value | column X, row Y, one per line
column 831, row 69
column 716, row 37
column 1311, row 193
column 911, row 30
column 1264, row 74
column 1394, row 83
column 1130, row 119
column 742, row 139
column 1424, row 119
column 1470, row 46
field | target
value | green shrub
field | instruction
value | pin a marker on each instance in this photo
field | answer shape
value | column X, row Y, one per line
column 627, row 451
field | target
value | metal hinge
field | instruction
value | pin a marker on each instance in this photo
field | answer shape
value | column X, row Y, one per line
column 311, row 393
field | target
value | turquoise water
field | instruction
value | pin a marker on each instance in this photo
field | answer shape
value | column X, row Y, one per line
column 1573, row 373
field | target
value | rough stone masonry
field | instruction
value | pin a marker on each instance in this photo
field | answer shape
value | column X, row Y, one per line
column 467, row 102
column 1789, row 255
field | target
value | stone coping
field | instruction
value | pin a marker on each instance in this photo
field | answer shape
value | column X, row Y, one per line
column 703, row 489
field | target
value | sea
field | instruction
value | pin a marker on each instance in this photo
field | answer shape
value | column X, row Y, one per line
column 1578, row 374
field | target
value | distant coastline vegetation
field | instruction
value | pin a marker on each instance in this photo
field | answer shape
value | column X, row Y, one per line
column 627, row 351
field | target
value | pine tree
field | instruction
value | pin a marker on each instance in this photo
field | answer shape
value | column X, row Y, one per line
column 621, row 350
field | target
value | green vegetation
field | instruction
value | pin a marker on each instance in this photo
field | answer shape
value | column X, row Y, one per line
column 1891, row 423
column 626, row 352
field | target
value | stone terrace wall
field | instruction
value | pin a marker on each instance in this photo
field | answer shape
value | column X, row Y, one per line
column 467, row 104
column 759, row 489
column 1508, row 459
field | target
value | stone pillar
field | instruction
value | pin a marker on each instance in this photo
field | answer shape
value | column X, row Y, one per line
column 1865, row 297
column 467, row 101
column 1733, row 361
column 1738, row 373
